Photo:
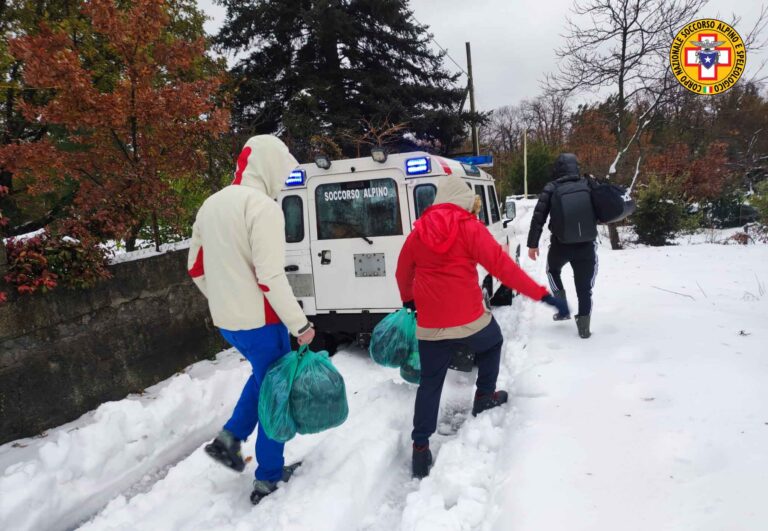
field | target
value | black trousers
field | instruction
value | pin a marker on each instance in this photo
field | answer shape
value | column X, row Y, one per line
column 435, row 357
column 583, row 260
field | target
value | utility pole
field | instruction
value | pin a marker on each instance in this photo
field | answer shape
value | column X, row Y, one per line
column 525, row 163
column 471, row 89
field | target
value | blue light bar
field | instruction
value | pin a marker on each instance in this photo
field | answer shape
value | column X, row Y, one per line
column 418, row 166
column 479, row 160
column 471, row 170
column 297, row 178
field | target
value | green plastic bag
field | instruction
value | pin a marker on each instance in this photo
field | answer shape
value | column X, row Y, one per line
column 393, row 339
column 275, row 398
column 302, row 392
column 411, row 369
column 318, row 397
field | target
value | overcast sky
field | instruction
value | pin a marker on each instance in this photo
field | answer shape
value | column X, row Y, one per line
column 513, row 41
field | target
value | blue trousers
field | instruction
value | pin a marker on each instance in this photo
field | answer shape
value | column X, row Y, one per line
column 261, row 347
column 435, row 357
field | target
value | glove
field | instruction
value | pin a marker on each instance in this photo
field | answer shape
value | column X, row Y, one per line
column 560, row 304
column 411, row 305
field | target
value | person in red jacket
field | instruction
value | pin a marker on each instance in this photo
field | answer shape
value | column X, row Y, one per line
column 437, row 274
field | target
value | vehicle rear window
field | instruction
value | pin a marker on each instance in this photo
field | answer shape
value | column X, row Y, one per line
column 356, row 209
column 424, row 196
column 495, row 216
column 483, row 215
column 293, row 211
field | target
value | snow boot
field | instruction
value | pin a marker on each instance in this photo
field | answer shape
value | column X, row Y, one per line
column 422, row 461
column 225, row 449
column 582, row 323
column 484, row 402
column 262, row 487
column 560, row 294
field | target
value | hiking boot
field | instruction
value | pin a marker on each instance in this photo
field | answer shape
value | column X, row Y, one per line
column 484, row 402
column 582, row 323
column 225, row 449
column 262, row 487
column 422, row 461
column 560, row 294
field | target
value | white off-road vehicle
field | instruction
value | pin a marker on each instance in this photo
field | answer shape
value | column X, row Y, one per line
column 345, row 223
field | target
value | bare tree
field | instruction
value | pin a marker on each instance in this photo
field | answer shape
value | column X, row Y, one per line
column 372, row 134
column 545, row 118
column 504, row 131
column 622, row 46
column 549, row 115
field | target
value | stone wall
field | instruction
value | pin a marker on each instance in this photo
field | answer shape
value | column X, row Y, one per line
column 63, row 353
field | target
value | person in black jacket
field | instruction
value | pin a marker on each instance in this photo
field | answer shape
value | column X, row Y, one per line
column 582, row 256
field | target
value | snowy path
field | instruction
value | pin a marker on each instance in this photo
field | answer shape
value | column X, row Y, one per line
column 354, row 477
column 659, row 421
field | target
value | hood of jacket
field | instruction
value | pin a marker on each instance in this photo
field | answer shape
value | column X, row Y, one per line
column 264, row 163
column 438, row 227
column 454, row 190
column 566, row 165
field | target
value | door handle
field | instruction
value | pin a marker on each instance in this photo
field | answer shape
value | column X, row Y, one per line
column 291, row 268
column 325, row 257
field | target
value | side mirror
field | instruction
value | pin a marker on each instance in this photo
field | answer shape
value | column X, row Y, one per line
column 511, row 211
column 507, row 222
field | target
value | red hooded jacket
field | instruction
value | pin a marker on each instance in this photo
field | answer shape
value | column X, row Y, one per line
column 437, row 267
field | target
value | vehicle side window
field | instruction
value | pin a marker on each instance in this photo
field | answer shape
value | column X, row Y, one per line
column 293, row 211
column 495, row 216
column 356, row 209
column 424, row 196
column 483, row 214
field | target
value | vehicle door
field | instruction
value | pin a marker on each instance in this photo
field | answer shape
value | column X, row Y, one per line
column 298, row 262
column 358, row 227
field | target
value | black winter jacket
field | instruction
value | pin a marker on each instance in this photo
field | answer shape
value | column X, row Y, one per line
column 566, row 169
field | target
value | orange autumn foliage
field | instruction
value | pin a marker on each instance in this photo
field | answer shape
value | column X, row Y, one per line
column 127, row 115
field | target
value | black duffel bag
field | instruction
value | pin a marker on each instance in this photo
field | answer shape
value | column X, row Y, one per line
column 610, row 203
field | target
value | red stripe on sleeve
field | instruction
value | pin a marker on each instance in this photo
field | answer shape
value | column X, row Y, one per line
column 198, row 269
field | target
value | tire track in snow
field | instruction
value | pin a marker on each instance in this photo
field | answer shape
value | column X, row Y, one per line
column 56, row 482
column 340, row 476
column 458, row 493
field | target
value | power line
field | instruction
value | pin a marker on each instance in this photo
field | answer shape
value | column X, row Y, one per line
column 444, row 50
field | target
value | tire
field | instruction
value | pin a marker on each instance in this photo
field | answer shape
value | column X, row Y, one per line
column 502, row 297
column 323, row 341
column 487, row 291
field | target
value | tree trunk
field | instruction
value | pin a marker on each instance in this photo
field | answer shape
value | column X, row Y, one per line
column 613, row 235
column 3, row 259
column 130, row 241
column 156, row 231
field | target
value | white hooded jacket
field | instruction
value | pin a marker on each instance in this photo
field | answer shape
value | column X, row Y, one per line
column 237, row 255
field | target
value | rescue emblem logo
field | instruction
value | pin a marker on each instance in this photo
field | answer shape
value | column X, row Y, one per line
column 708, row 56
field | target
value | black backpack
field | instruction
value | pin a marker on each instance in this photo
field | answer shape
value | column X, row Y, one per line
column 572, row 214
column 610, row 203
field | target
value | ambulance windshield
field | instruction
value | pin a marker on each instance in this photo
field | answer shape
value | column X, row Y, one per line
column 367, row 208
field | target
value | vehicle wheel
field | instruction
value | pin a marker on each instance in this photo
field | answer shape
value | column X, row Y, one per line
column 330, row 343
column 502, row 297
column 323, row 341
column 487, row 291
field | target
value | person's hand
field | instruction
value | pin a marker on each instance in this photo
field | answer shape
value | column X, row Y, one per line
column 533, row 253
column 307, row 337
column 561, row 305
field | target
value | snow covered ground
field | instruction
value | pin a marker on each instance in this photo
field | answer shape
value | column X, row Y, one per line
column 658, row 422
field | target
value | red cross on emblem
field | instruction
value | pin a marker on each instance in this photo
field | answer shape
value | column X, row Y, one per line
column 722, row 58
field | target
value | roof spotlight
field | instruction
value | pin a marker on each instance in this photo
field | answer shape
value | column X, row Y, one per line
column 323, row 162
column 379, row 154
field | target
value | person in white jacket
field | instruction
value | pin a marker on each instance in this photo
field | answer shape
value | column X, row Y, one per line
column 237, row 260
